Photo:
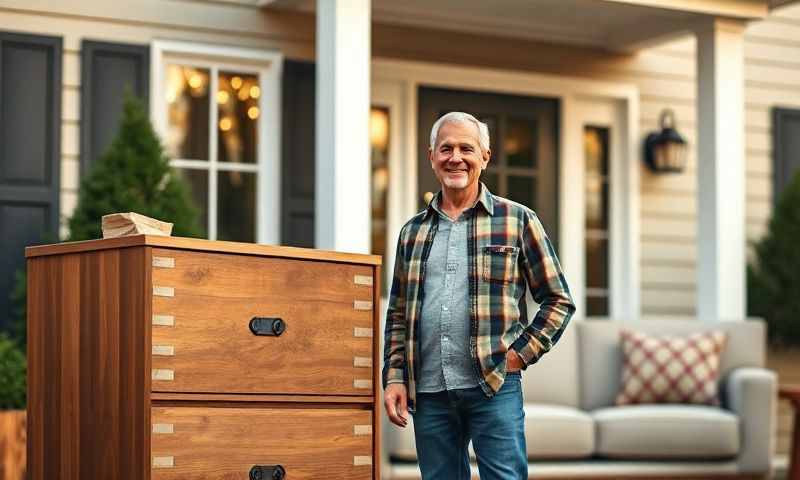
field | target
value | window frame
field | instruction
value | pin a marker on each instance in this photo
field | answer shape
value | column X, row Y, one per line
column 267, row 65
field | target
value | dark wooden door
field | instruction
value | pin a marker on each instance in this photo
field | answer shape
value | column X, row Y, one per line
column 298, row 157
column 30, row 150
column 523, row 133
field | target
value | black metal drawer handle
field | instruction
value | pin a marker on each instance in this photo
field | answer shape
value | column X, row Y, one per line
column 268, row 326
column 267, row 472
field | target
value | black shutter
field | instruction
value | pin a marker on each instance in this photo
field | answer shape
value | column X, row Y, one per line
column 30, row 150
column 297, row 172
column 107, row 69
column 786, row 147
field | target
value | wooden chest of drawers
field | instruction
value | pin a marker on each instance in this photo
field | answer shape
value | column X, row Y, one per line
column 165, row 357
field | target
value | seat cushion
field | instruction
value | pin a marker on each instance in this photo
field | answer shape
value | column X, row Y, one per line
column 666, row 432
column 554, row 378
column 558, row 432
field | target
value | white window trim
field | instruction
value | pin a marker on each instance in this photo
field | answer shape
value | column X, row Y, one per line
column 405, row 78
column 269, row 66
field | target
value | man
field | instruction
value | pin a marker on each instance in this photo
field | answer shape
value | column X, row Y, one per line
column 457, row 333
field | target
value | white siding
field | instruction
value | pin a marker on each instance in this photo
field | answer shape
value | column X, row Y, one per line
column 231, row 23
column 665, row 76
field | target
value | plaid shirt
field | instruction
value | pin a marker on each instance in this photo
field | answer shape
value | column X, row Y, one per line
column 508, row 251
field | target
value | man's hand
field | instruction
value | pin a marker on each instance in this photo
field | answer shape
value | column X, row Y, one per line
column 395, row 399
column 513, row 362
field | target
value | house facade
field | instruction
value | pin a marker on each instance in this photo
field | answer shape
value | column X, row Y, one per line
column 569, row 88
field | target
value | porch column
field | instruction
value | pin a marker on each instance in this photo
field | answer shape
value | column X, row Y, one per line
column 342, row 202
column 720, row 172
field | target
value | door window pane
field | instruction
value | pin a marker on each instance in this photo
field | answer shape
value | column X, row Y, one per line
column 596, row 147
column 596, row 262
column 596, row 203
column 596, row 161
column 236, row 206
column 522, row 190
column 187, row 96
column 238, row 114
column 490, row 179
column 519, row 143
column 597, row 305
column 198, row 183
column 379, row 155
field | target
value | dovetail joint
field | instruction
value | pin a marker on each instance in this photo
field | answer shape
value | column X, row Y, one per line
column 362, row 332
column 163, row 374
column 163, row 291
column 164, row 320
column 365, row 280
column 362, row 305
column 164, row 350
column 164, row 262
column 163, row 462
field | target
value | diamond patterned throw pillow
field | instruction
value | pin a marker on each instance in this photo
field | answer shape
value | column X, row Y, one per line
column 670, row 369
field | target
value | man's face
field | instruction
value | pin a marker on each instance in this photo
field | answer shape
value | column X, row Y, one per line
column 456, row 158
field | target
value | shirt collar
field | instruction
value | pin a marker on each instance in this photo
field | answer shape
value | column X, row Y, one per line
column 484, row 199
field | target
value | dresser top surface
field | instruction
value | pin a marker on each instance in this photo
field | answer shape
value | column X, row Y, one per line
column 199, row 244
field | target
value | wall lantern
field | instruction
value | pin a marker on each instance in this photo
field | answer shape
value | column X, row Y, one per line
column 665, row 151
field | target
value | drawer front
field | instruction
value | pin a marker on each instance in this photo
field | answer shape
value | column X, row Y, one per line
column 226, row 443
column 205, row 338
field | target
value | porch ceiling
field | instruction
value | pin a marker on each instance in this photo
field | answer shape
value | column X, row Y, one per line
column 619, row 25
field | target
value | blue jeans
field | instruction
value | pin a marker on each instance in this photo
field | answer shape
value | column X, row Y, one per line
column 444, row 423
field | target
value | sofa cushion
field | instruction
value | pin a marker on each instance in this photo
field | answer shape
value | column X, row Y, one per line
column 558, row 432
column 551, row 432
column 670, row 368
column 554, row 378
column 601, row 353
column 666, row 432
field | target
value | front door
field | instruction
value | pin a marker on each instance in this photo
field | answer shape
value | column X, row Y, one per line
column 523, row 133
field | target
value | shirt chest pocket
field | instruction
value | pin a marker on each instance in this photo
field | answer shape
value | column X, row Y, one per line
column 500, row 263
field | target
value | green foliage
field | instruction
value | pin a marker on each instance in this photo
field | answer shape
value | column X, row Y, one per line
column 13, row 371
column 18, row 314
column 18, row 298
column 133, row 175
column 773, row 279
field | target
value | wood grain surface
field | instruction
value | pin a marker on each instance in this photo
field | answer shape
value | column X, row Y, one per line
column 88, row 352
column 216, row 296
column 203, row 245
column 97, row 332
column 12, row 445
column 225, row 443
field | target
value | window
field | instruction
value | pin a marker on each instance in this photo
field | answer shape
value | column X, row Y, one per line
column 513, row 173
column 596, row 154
column 218, row 113
column 379, row 158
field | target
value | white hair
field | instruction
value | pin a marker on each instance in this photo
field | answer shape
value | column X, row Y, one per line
column 462, row 118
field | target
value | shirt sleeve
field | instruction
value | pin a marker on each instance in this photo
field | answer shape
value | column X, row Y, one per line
column 549, row 289
column 394, row 350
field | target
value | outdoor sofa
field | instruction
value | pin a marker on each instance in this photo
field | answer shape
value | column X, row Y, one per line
column 574, row 430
